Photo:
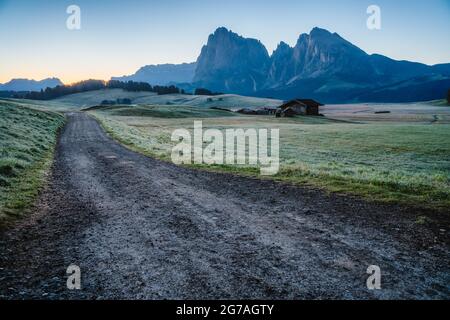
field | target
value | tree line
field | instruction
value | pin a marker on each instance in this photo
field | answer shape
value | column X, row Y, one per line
column 205, row 92
column 91, row 85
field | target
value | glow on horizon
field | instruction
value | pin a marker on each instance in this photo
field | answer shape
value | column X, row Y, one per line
column 117, row 38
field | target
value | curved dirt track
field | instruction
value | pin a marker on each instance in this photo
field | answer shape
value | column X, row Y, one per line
column 142, row 228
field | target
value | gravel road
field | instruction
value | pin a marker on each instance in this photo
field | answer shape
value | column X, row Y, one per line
column 140, row 228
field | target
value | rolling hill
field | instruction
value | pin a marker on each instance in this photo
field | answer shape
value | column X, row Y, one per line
column 231, row 101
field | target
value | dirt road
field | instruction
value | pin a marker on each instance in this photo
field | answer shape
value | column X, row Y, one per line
column 141, row 228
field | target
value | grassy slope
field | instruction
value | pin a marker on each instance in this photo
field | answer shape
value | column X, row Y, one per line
column 401, row 162
column 92, row 98
column 47, row 105
column 164, row 111
column 399, row 112
column 27, row 139
column 441, row 103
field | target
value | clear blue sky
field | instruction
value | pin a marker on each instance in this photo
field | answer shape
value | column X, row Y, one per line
column 118, row 37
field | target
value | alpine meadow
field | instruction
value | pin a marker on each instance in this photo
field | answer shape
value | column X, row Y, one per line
column 238, row 158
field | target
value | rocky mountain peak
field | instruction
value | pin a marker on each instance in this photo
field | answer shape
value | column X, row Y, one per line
column 229, row 61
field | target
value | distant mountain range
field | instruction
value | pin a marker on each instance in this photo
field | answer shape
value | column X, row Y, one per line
column 322, row 65
column 30, row 85
column 163, row 74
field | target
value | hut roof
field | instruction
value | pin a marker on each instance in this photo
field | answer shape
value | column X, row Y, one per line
column 305, row 102
column 310, row 102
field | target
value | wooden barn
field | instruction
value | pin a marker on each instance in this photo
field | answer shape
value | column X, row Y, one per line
column 305, row 107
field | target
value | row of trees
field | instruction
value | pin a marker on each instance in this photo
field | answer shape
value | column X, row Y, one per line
column 7, row 94
column 142, row 86
column 205, row 92
column 91, row 85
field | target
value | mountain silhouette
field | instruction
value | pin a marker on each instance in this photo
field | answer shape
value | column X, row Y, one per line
column 30, row 85
column 322, row 65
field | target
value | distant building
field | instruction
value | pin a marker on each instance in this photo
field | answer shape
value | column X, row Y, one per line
column 305, row 107
column 260, row 111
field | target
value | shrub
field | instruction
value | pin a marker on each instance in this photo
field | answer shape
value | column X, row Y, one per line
column 7, row 168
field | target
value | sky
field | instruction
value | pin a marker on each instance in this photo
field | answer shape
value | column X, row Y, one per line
column 118, row 37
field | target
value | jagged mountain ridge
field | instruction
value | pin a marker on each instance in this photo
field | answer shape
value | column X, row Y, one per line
column 163, row 74
column 322, row 65
column 29, row 85
column 231, row 63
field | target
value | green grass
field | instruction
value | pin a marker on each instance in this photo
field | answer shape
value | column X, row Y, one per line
column 92, row 98
column 172, row 111
column 402, row 162
column 442, row 103
column 27, row 139
column 47, row 105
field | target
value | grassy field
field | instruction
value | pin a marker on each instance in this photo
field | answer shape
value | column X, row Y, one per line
column 47, row 105
column 442, row 103
column 92, row 98
column 405, row 162
column 164, row 111
column 27, row 139
column 423, row 113
column 401, row 156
